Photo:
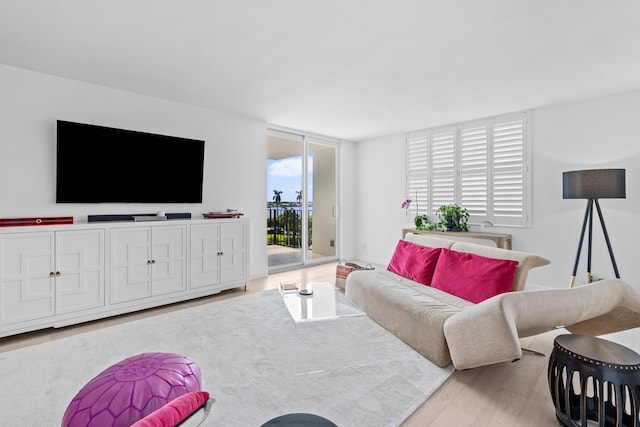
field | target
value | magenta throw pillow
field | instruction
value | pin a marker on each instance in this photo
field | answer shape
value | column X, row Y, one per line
column 174, row 412
column 415, row 262
column 473, row 277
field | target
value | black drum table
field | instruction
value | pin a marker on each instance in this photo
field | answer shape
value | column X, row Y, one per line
column 594, row 382
column 299, row 420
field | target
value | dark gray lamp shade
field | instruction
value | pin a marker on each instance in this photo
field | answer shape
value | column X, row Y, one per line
column 594, row 184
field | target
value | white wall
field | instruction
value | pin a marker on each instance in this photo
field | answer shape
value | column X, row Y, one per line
column 597, row 133
column 347, row 166
column 30, row 104
column 380, row 188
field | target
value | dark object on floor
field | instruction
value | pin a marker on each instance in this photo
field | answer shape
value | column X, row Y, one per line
column 594, row 381
column 299, row 420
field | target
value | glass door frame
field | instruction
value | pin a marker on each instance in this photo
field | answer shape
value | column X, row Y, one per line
column 306, row 140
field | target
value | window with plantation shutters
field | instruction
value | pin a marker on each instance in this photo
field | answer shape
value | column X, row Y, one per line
column 480, row 165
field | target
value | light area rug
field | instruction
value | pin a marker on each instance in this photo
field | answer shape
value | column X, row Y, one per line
column 254, row 359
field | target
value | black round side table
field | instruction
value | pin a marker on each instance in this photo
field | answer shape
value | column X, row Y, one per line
column 594, row 381
column 299, row 420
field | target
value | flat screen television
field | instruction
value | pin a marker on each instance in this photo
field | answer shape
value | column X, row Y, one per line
column 97, row 164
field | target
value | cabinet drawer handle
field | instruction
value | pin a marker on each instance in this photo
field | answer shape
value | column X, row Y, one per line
column 153, row 261
column 51, row 274
column 58, row 274
column 148, row 261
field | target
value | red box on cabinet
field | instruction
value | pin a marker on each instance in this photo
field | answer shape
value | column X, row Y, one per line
column 43, row 220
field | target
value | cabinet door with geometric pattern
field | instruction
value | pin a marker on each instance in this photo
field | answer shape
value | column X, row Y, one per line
column 26, row 277
column 168, row 259
column 205, row 255
column 130, row 264
column 79, row 270
column 233, row 252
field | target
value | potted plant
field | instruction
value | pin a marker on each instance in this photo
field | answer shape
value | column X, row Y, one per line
column 421, row 222
column 453, row 217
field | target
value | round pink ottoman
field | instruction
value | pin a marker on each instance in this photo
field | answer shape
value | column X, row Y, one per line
column 131, row 389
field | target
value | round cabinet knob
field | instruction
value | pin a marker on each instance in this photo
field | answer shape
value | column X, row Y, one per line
column 153, row 261
column 51, row 274
column 58, row 274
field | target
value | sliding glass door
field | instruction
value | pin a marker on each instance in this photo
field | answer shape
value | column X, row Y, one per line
column 322, row 200
column 285, row 201
column 301, row 200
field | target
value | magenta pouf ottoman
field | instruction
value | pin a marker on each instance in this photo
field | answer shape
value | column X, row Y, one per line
column 131, row 389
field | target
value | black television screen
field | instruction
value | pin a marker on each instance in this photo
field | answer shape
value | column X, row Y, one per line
column 96, row 164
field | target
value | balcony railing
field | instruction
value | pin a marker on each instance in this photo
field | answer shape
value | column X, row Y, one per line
column 284, row 225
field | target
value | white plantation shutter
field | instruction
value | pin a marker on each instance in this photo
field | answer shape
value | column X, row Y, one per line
column 474, row 169
column 480, row 165
column 418, row 173
column 443, row 173
column 508, row 171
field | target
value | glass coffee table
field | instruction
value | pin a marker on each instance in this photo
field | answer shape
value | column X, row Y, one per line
column 324, row 302
column 323, row 322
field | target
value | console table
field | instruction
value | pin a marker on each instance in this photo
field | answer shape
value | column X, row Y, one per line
column 502, row 240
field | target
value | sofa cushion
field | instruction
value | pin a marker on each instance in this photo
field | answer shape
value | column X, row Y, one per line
column 526, row 261
column 415, row 262
column 473, row 277
column 413, row 312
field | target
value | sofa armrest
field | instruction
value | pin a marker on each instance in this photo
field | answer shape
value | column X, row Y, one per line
column 489, row 332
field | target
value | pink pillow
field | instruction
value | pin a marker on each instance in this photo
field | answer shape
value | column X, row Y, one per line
column 174, row 412
column 473, row 277
column 415, row 262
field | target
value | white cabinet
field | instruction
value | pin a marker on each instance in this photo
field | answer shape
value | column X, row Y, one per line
column 147, row 262
column 218, row 254
column 43, row 274
column 55, row 276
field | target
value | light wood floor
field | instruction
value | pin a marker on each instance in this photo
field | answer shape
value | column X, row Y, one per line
column 505, row 394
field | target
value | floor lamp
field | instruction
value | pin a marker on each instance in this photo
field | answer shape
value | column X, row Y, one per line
column 592, row 185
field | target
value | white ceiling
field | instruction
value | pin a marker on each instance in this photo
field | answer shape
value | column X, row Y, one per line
column 350, row 69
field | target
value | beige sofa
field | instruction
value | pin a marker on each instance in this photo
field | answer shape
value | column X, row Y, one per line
column 445, row 328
